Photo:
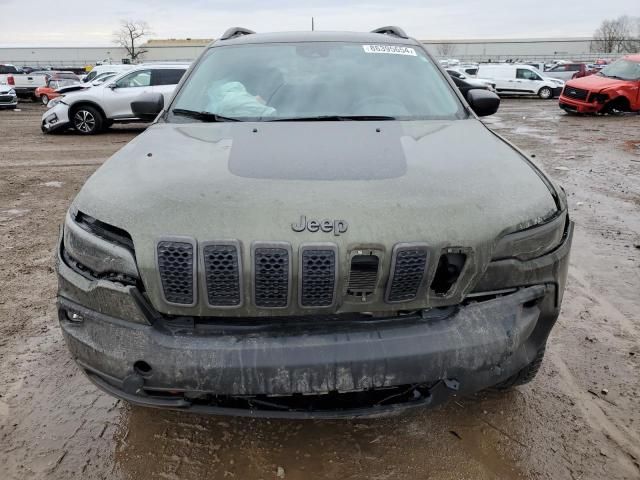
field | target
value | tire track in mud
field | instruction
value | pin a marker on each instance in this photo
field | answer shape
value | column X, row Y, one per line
column 624, row 440
column 552, row 428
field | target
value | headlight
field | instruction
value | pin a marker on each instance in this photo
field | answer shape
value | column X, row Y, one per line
column 55, row 101
column 599, row 97
column 100, row 250
column 12, row 92
column 533, row 242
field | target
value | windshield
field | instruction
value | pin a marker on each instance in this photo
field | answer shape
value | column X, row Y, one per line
column 61, row 83
column 315, row 80
column 623, row 69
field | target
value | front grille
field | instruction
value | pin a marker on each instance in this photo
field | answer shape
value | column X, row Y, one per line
column 176, row 266
column 318, row 276
column 222, row 274
column 6, row 98
column 576, row 93
column 407, row 272
column 363, row 276
column 271, row 273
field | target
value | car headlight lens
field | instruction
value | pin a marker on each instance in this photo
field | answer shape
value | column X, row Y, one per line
column 100, row 251
column 12, row 92
column 599, row 97
column 533, row 242
column 55, row 101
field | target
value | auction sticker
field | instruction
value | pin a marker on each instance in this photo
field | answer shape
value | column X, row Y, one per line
column 389, row 49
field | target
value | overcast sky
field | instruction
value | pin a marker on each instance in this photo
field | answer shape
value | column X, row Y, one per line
column 92, row 22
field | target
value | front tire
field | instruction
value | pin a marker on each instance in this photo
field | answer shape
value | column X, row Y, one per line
column 545, row 93
column 87, row 120
column 44, row 99
column 619, row 106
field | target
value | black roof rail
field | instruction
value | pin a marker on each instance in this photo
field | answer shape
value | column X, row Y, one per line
column 235, row 32
column 391, row 30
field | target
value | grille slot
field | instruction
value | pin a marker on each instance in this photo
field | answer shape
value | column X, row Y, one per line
column 577, row 93
column 271, row 274
column 363, row 275
column 318, row 276
column 408, row 269
column 450, row 266
column 177, row 274
column 222, row 273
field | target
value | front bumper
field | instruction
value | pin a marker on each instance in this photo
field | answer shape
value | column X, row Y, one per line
column 56, row 118
column 557, row 91
column 577, row 106
column 11, row 103
column 110, row 329
column 25, row 92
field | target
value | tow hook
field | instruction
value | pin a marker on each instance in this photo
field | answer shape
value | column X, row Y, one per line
column 133, row 384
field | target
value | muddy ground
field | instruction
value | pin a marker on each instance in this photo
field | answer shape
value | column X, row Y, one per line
column 54, row 424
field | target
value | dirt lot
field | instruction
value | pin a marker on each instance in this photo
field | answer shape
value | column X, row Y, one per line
column 54, row 424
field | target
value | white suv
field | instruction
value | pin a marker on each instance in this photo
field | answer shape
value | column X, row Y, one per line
column 91, row 110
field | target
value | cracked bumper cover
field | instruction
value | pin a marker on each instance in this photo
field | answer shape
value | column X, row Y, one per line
column 56, row 118
column 473, row 347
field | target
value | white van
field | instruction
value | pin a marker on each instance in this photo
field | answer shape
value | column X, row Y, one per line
column 98, row 69
column 516, row 79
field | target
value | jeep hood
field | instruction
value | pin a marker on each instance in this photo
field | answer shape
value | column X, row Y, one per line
column 443, row 183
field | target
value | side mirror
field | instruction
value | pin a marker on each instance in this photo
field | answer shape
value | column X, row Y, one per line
column 147, row 106
column 483, row 102
column 112, row 86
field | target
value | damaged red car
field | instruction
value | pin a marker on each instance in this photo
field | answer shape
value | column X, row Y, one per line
column 615, row 89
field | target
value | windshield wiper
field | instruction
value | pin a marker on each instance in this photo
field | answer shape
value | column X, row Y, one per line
column 203, row 116
column 334, row 118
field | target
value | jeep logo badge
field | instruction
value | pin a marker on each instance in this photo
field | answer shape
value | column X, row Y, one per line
column 338, row 227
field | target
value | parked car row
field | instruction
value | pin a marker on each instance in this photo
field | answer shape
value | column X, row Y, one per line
column 471, row 81
column 506, row 78
column 99, row 70
column 520, row 79
column 26, row 85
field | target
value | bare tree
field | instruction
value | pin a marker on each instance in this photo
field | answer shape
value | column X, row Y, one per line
column 618, row 35
column 129, row 36
column 446, row 49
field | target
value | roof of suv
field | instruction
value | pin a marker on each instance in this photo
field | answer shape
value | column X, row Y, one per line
column 286, row 37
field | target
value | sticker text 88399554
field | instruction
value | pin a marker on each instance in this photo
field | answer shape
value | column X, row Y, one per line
column 389, row 49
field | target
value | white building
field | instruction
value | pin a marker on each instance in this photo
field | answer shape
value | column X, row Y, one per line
column 505, row 49
column 540, row 49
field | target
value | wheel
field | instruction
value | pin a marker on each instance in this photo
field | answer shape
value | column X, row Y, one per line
column 525, row 375
column 87, row 120
column 545, row 93
column 616, row 107
column 44, row 99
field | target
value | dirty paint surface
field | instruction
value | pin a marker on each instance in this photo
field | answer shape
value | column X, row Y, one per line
column 54, row 424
